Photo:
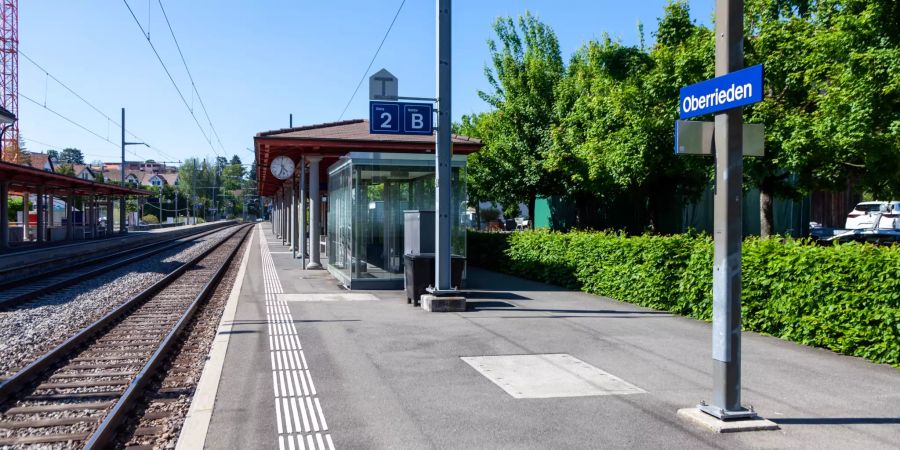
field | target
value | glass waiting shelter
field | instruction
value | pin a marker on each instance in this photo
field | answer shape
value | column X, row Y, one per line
column 367, row 196
column 343, row 206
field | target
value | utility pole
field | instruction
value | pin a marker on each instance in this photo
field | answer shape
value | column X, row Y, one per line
column 726, row 348
column 122, row 227
column 443, row 150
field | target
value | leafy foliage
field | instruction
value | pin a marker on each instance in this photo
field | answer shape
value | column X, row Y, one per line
column 600, row 130
column 526, row 67
column 845, row 298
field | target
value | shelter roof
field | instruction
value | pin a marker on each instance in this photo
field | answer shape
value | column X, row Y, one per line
column 24, row 178
column 334, row 139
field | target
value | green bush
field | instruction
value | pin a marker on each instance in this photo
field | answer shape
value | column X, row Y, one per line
column 150, row 219
column 845, row 297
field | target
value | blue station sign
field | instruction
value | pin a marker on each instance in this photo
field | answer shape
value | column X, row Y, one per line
column 401, row 118
column 739, row 88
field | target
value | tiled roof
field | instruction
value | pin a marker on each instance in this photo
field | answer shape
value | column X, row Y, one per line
column 354, row 130
column 38, row 160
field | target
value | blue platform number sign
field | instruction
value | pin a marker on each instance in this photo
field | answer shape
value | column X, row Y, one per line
column 400, row 118
column 739, row 88
column 417, row 118
column 384, row 117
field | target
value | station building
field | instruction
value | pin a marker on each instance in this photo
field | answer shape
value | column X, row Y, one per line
column 346, row 192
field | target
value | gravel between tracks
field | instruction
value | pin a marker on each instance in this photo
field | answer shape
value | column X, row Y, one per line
column 182, row 371
column 35, row 327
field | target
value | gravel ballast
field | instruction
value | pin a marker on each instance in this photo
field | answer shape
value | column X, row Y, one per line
column 33, row 328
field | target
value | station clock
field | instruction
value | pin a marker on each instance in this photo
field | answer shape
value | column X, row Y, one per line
column 282, row 167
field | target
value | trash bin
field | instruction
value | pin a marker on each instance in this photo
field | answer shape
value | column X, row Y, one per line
column 419, row 274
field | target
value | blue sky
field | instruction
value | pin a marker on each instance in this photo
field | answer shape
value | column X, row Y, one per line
column 256, row 62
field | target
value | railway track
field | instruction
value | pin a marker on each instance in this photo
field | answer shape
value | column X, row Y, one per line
column 78, row 394
column 61, row 275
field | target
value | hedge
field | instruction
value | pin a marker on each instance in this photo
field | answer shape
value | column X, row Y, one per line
column 845, row 297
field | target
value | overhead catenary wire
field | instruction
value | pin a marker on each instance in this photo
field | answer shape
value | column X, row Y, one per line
column 169, row 74
column 61, row 147
column 361, row 80
column 191, row 77
column 86, row 102
column 71, row 121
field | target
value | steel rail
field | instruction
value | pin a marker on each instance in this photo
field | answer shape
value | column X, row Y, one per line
column 153, row 248
column 25, row 376
column 85, row 262
column 106, row 431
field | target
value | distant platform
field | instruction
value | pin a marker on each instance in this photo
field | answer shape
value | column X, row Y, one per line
column 28, row 254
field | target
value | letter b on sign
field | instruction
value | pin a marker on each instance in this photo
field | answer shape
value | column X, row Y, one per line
column 417, row 118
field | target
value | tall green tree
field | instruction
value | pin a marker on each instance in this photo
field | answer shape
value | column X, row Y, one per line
column 832, row 98
column 618, row 104
column 526, row 66
column 71, row 156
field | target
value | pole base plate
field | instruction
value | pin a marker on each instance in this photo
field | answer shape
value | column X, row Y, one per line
column 704, row 420
column 723, row 414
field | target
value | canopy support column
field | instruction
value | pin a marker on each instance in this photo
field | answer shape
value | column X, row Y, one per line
column 302, row 218
column 314, row 203
column 26, row 196
column 70, row 217
column 4, row 215
column 41, row 223
column 50, row 216
column 109, row 215
column 295, row 224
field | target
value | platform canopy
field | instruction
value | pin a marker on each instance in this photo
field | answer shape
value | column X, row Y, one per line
column 28, row 179
column 335, row 139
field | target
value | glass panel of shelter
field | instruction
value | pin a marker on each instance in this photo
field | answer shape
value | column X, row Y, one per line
column 365, row 214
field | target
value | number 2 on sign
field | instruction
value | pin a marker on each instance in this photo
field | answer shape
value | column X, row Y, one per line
column 387, row 120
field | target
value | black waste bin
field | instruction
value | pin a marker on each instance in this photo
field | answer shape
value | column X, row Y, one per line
column 419, row 274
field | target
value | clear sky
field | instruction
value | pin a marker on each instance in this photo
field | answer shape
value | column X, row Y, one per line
column 255, row 62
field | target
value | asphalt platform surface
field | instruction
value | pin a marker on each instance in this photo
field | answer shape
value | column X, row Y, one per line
column 388, row 375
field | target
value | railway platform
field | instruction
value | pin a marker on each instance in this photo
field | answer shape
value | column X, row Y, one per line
column 55, row 252
column 529, row 365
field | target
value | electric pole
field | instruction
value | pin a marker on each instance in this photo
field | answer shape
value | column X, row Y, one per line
column 443, row 150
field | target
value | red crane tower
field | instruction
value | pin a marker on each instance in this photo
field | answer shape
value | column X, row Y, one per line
column 9, row 74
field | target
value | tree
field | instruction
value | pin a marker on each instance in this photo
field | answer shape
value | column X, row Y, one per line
column 832, row 97
column 618, row 105
column 233, row 174
column 526, row 67
column 71, row 156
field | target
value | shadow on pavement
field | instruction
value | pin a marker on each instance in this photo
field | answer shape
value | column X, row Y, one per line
column 481, row 279
column 837, row 420
column 493, row 295
column 487, row 305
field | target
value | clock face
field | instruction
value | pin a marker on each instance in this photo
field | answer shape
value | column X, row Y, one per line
column 282, row 167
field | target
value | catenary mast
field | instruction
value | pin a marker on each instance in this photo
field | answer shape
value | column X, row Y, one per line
column 9, row 74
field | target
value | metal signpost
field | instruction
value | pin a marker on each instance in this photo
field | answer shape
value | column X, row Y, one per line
column 725, row 95
column 443, row 150
column 392, row 117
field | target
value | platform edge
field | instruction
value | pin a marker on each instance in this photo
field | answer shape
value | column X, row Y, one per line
column 196, row 423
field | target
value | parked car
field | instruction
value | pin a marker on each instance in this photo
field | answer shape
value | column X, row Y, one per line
column 865, row 214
